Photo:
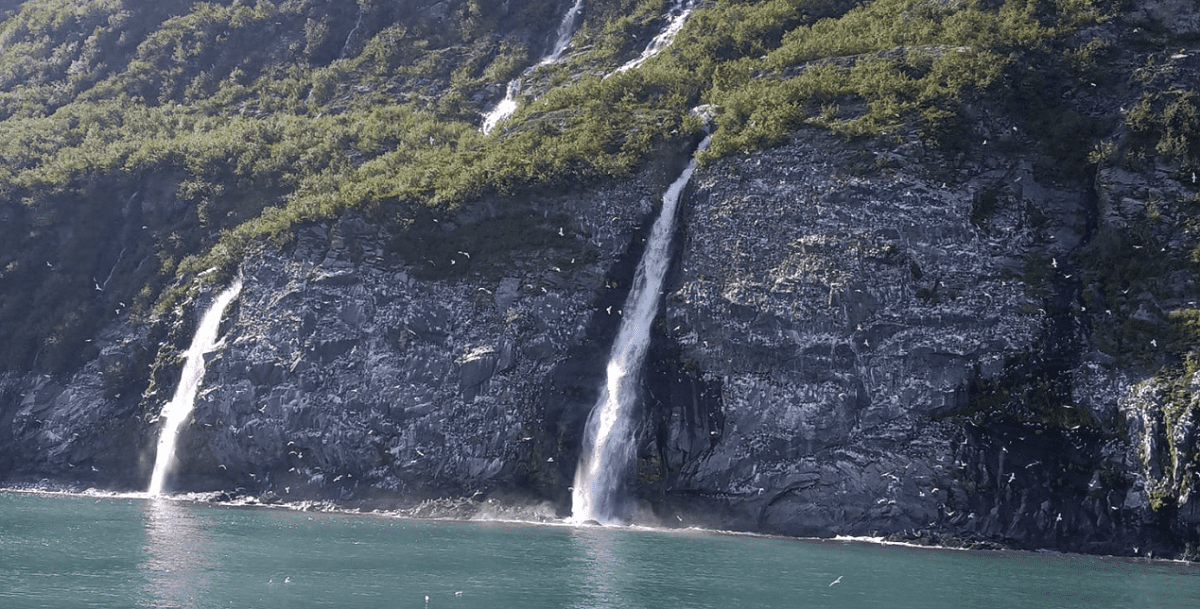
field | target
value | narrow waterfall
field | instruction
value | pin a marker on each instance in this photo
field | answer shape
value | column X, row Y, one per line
column 180, row 407
column 565, row 30
column 665, row 37
column 350, row 36
column 608, row 442
column 508, row 105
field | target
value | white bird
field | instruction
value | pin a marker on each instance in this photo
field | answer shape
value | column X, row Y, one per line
column 836, row 581
column 459, row 593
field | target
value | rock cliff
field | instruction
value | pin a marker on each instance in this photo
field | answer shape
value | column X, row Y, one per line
column 865, row 336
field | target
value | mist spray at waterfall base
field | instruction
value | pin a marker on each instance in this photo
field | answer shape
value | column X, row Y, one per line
column 609, row 445
column 177, row 411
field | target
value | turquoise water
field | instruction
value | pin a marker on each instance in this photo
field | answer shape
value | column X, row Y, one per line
column 80, row 551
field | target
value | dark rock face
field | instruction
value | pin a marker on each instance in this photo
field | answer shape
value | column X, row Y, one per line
column 347, row 376
column 854, row 327
column 838, row 319
column 837, row 355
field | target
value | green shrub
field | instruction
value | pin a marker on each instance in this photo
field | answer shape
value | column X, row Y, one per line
column 263, row 116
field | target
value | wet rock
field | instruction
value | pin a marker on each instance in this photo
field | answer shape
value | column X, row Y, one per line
column 825, row 364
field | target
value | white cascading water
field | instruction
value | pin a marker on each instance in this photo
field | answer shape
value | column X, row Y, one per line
column 608, row 442
column 664, row 38
column 508, row 105
column 565, row 30
column 180, row 407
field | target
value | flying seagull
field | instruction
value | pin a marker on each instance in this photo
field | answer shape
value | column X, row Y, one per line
column 836, row 581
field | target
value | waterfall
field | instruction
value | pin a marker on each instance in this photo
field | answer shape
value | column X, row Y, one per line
column 565, row 30
column 350, row 36
column 180, row 407
column 664, row 38
column 508, row 105
column 608, row 442
column 503, row 109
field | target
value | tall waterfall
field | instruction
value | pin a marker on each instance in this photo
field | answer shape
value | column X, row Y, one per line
column 508, row 105
column 682, row 9
column 608, row 442
column 180, row 407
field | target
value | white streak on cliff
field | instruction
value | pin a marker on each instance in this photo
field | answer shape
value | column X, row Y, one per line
column 664, row 38
column 177, row 411
column 609, row 443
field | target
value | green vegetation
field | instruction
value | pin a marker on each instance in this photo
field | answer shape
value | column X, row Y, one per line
column 1179, row 462
column 887, row 64
column 1166, row 124
column 220, row 126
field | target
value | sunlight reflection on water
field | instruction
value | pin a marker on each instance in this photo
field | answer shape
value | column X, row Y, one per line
column 84, row 552
column 178, row 564
column 601, row 585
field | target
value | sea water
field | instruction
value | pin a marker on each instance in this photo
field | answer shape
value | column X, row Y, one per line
column 66, row 551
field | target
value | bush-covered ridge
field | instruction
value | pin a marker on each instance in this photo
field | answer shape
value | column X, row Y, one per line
column 251, row 117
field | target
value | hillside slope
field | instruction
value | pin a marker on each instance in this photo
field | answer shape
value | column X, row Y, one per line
column 936, row 275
